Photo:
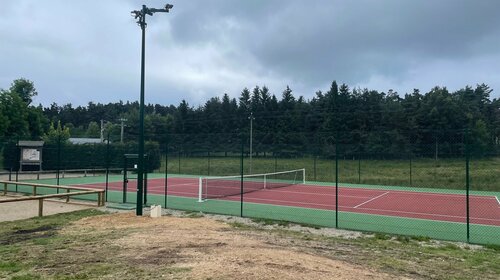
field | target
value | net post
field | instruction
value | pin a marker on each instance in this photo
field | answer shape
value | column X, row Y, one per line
column 200, row 189
column 265, row 177
column 303, row 176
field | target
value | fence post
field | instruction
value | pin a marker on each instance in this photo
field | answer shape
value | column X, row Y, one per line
column 467, row 181
column 166, row 175
column 101, row 198
column 125, row 179
column 337, row 180
column 208, row 163
column 411, row 172
column 40, row 207
column 145, row 179
column 314, row 164
column 275, row 163
column 17, row 179
column 58, row 159
column 179, row 155
column 241, row 174
column 107, row 168
column 359, row 168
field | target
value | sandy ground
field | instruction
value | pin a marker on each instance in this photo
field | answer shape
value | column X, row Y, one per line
column 12, row 211
column 210, row 249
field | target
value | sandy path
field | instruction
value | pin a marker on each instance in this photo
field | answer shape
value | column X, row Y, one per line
column 12, row 211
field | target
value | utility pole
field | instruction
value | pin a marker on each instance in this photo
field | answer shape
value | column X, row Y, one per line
column 102, row 131
column 251, row 118
column 141, row 15
column 122, row 120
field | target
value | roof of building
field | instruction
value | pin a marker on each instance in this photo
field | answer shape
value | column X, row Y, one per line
column 30, row 143
column 85, row 140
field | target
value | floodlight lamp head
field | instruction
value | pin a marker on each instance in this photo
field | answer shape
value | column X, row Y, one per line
column 168, row 7
column 135, row 14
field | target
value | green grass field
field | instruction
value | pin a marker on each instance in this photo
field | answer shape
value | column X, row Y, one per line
column 419, row 173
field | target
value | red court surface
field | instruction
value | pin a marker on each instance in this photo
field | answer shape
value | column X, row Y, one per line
column 484, row 210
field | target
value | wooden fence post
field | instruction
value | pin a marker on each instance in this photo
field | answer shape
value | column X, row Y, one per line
column 40, row 207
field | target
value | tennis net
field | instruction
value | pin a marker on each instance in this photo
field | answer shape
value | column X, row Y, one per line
column 219, row 187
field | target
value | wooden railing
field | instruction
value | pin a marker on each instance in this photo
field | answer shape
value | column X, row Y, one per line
column 67, row 194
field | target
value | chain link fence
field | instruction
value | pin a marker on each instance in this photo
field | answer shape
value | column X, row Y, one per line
column 442, row 184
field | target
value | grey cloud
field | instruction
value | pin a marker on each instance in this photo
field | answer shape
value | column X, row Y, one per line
column 81, row 51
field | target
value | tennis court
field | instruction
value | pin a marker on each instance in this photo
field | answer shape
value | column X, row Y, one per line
column 434, row 213
column 405, row 204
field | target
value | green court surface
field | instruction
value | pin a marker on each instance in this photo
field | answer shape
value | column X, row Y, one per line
column 454, row 231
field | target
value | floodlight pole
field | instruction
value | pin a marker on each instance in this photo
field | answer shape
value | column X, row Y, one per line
column 141, row 15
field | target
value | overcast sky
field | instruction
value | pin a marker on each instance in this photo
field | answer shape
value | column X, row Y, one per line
column 89, row 50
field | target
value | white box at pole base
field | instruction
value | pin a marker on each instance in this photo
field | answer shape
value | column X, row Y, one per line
column 155, row 211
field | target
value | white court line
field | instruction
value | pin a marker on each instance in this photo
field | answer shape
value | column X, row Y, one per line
column 429, row 214
column 176, row 185
column 378, row 196
column 89, row 185
column 288, row 201
column 498, row 201
column 376, row 209
column 410, row 192
column 284, row 191
column 406, row 192
column 180, row 193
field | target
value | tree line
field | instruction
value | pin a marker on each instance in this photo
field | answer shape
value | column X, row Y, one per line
column 437, row 122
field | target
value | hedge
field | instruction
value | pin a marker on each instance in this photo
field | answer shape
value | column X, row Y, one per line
column 84, row 156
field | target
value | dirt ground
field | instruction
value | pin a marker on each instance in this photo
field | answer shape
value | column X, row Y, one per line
column 117, row 244
column 199, row 248
column 208, row 249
